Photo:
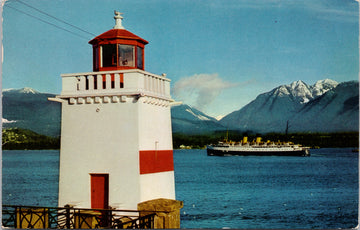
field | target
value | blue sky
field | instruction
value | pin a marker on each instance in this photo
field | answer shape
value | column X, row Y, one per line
column 219, row 54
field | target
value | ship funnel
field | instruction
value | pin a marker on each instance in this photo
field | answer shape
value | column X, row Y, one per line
column 258, row 140
column 245, row 140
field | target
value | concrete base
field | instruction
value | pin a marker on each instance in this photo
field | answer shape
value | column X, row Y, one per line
column 167, row 212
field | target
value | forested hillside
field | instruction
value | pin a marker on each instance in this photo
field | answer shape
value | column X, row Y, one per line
column 15, row 138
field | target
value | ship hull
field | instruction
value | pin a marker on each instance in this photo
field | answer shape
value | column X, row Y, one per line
column 227, row 152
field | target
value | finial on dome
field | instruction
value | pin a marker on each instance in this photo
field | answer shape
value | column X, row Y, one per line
column 118, row 20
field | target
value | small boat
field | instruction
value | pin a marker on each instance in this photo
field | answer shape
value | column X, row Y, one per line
column 256, row 148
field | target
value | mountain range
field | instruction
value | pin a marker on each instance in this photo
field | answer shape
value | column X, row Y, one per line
column 326, row 106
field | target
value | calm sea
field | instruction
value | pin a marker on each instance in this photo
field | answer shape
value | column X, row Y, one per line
column 320, row 191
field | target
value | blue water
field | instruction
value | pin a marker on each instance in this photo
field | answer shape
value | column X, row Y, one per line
column 30, row 177
column 319, row 192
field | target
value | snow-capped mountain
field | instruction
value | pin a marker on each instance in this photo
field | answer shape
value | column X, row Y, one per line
column 336, row 110
column 25, row 90
column 322, row 86
column 270, row 111
column 31, row 110
column 186, row 119
column 303, row 93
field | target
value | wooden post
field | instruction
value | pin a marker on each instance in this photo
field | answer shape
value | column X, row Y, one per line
column 67, row 216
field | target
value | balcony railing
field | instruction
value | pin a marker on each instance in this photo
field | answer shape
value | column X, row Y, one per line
column 120, row 82
column 73, row 218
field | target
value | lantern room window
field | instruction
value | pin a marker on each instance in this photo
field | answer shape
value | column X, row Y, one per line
column 139, row 55
column 126, row 55
column 115, row 55
column 109, row 55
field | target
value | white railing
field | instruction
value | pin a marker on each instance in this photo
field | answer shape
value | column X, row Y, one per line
column 120, row 82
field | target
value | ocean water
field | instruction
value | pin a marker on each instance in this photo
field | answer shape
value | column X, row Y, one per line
column 319, row 192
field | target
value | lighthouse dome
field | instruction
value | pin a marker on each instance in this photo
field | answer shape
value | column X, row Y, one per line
column 118, row 49
column 117, row 34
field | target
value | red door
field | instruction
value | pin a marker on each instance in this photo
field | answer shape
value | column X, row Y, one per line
column 99, row 191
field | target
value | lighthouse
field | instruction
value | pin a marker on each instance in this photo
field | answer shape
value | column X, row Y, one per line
column 116, row 139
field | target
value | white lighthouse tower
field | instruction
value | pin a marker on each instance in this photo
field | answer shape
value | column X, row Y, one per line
column 116, row 139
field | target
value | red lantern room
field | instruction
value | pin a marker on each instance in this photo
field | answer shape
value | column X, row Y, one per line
column 118, row 49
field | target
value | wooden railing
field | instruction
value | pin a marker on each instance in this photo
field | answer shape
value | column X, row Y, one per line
column 73, row 218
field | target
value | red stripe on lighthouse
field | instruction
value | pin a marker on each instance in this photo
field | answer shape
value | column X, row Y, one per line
column 153, row 161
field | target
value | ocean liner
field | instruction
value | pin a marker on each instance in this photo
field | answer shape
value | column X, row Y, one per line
column 257, row 148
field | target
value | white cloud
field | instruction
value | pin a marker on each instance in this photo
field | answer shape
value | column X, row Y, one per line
column 5, row 121
column 332, row 11
column 200, row 90
column 346, row 11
